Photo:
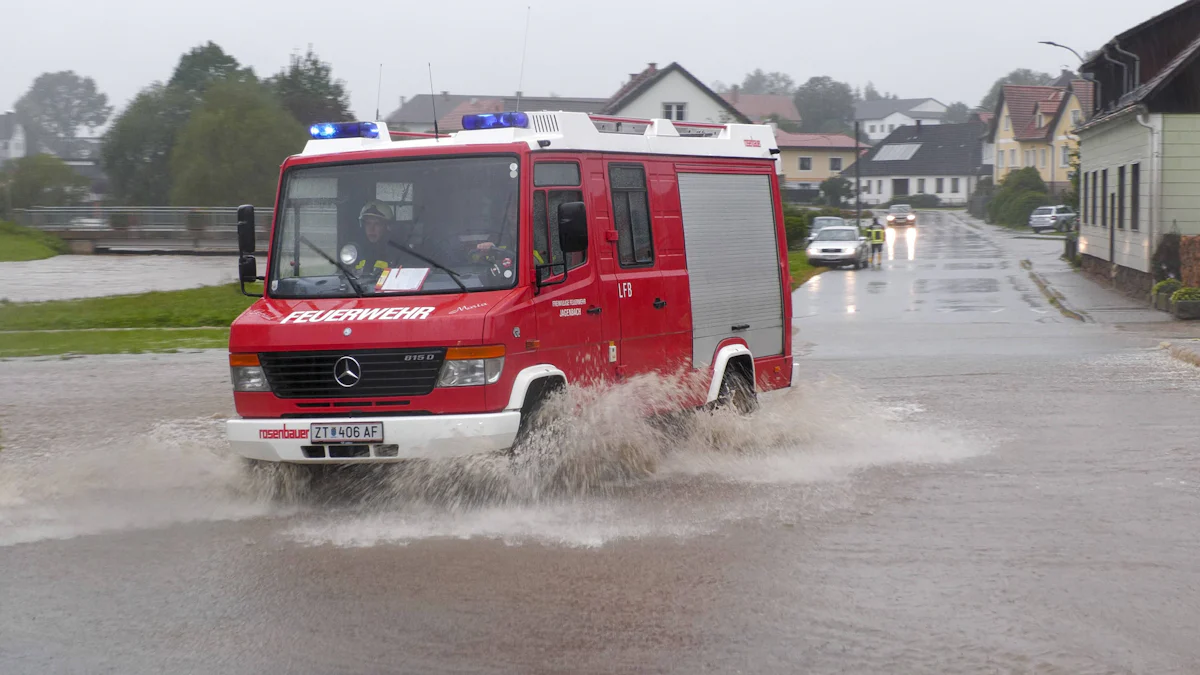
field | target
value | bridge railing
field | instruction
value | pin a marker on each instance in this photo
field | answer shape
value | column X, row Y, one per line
column 211, row 220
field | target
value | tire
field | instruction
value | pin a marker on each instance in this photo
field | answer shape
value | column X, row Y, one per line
column 737, row 392
column 534, row 414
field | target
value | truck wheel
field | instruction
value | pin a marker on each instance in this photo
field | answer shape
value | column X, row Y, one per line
column 534, row 412
column 737, row 392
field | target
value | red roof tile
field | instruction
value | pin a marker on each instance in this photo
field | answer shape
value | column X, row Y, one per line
column 1022, row 101
column 786, row 140
column 1086, row 92
column 759, row 107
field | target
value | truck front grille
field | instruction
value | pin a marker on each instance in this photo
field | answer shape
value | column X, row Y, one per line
column 381, row 372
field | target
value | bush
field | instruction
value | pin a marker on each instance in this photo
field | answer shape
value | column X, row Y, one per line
column 921, row 201
column 1166, row 261
column 1186, row 294
column 1168, row 286
column 1019, row 194
column 795, row 224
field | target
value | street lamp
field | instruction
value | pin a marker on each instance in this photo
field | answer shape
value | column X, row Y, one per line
column 1055, row 44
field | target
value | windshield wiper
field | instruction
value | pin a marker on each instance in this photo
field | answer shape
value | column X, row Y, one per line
column 453, row 275
column 347, row 273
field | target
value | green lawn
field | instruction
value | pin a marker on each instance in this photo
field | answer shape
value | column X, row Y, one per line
column 212, row 306
column 22, row 243
column 800, row 269
column 196, row 318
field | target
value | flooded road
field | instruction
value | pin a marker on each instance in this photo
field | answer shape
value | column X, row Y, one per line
column 66, row 277
column 967, row 481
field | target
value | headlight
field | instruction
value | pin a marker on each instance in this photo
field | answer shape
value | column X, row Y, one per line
column 246, row 373
column 891, row 217
column 471, row 366
column 911, row 217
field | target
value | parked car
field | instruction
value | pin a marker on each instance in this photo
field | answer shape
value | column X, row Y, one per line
column 1061, row 218
column 821, row 222
column 839, row 245
column 901, row 215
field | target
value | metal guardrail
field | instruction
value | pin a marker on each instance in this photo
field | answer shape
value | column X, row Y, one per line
column 179, row 228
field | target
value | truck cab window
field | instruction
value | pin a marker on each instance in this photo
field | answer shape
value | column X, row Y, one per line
column 631, row 215
column 546, row 244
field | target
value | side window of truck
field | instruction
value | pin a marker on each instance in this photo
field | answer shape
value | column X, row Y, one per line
column 545, row 210
column 631, row 215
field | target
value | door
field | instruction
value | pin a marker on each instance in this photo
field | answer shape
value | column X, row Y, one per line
column 570, row 323
column 638, row 277
column 899, row 187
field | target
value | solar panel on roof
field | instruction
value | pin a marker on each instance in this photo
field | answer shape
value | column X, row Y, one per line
column 897, row 152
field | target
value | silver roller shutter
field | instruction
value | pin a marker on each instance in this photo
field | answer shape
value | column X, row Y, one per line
column 733, row 262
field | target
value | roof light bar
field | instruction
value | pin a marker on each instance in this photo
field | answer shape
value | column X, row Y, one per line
column 495, row 121
column 329, row 130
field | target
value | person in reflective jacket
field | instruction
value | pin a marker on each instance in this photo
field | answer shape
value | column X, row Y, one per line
column 877, row 235
column 375, row 220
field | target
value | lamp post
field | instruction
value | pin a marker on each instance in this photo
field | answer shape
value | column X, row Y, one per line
column 1055, row 44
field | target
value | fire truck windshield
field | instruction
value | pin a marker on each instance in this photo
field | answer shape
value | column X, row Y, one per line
column 428, row 225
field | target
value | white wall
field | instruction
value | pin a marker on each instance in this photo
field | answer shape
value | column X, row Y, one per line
column 887, row 125
column 13, row 148
column 881, row 194
column 1118, row 143
column 930, row 106
column 675, row 88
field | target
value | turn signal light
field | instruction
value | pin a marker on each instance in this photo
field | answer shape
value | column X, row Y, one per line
column 243, row 360
column 464, row 353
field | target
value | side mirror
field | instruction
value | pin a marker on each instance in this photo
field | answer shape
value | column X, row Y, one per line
column 247, row 269
column 245, row 228
column 572, row 227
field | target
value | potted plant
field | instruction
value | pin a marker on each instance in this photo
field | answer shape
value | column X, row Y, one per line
column 1160, row 295
column 1185, row 303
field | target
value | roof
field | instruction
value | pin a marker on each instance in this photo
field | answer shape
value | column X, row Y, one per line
column 419, row 109
column 1086, row 93
column 928, row 150
column 786, row 140
column 762, row 107
column 877, row 110
column 1022, row 101
column 1141, row 27
column 640, row 83
column 576, row 131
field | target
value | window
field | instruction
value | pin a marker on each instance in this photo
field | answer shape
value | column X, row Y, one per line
column 835, row 163
column 675, row 111
column 891, row 127
column 1120, row 214
column 1012, row 158
column 806, row 163
column 1043, row 162
column 1095, row 193
column 878, row 187
column 1065, row 160
column 867, row 188
column 550, row 174
column 1135, row 197
column 1104, row 198
column 872, row 128
column 1000, row 159
column 1076, row 117
column 953, row 186
column 921, row 185
column 631, row 215
column 1006, row 124
column 941, row 186
column 1083, row 203
column 1041, row 120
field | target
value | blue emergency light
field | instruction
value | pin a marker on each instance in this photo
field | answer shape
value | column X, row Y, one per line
column 328, row 130
column 495, row 121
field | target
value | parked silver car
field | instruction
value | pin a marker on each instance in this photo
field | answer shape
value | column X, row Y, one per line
column 1060, row 218
column 821, row 222
column 839, row 245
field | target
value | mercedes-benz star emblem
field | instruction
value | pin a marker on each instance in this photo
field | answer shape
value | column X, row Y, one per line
column 347, row 371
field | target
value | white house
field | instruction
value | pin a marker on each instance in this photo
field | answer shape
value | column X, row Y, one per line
column 879, row 118
column 944, row 160
column 12, row 138
column 671, row 93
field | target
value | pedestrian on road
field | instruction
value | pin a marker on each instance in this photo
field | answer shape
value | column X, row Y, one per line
column 877, row 235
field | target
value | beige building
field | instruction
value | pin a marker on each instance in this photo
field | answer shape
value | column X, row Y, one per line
column 1033, row 127
column 807, row 160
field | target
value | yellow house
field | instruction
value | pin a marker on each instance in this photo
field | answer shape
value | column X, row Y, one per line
column 1034, row 126
column 807, row 160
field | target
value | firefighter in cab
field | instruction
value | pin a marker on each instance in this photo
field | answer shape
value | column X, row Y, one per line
column 375, row 220
column 877, row 235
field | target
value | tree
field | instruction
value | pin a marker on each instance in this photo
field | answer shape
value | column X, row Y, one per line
column 58, row 104
column 42, row 180
column 308, row 91
column 870, row 93
column 203, row 65
column 823, row 103
column 137, row 149
column 836, row 189
column 231, row 148
column 1018, row 76
column 775, row 82
column 957, row 112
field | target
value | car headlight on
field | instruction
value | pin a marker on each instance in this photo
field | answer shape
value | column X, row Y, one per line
column 471, row 366
column 891, row 217
column 912, row 217
column 247, row 374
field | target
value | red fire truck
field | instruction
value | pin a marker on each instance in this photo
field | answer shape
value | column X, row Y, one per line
column 425, row 293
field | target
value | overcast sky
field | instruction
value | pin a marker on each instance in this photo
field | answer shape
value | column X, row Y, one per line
column 947, row 49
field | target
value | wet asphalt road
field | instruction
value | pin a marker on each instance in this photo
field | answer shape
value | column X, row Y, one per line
column 967, row 482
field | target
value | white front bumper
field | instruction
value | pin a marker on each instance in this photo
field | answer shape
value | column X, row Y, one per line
column 428, row 437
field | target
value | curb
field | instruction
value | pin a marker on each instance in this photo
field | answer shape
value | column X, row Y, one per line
column 1056, row 299
column 1182, row 353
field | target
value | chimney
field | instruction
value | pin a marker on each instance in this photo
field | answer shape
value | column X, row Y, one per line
column 445, row 94
column 653, row 67
column 402, row 100
column 734, row 91
column 918, row 127
column 632, row 76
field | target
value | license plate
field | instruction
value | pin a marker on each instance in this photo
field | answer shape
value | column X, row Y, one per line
column 358, row 432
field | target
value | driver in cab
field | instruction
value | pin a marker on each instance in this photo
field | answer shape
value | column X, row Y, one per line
column 374, row 220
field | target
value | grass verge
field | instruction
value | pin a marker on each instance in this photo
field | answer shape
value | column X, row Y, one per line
column 18, row 244
column 134, row 341
column 211, row 306
column 800, row 269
